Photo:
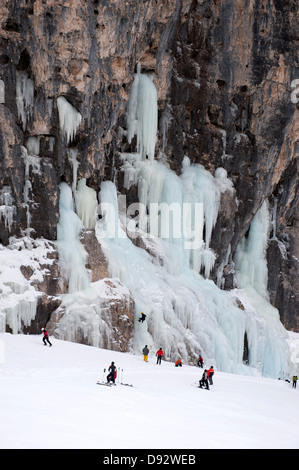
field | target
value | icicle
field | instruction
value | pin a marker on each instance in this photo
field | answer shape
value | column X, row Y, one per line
column 20, row 314
column 33, row 162
column 142, row 115
column 32, row 145
column 7, row 209
column 72, row 154
column 86, row 204
column 164, row 124
column 24, row 97
column 2, row 92
column 69, row 119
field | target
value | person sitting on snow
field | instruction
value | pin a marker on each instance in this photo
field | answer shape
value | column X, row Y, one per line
column 112, row 373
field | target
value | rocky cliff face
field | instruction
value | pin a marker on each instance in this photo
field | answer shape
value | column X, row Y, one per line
column 223, row 72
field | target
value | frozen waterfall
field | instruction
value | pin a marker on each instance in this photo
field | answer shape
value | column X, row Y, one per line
column 185, row 312
column 72, row 255
column 159, row 250
column 168, row 277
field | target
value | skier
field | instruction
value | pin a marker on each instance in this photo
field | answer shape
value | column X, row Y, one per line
column 295, row 378
column 159, row 355
column 46, row 337
column 204, row 380
column 178, row 363
column 210, row 374
column 145, row 352
column 142, row 318
column 112, row 373
column 200, row 361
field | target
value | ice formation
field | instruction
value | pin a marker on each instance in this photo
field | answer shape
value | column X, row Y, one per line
column 7, row 208
column 142, row 115
column 186, row 312
column 72, row 156
column 252, row 276
column 2, row 91
column 168, row 277
column 250, row 259
column 24, row 97
column 72, row 255
column 69, row 119
column 32, row 163
column 32, row 145
column 86, row 204
column 83, row 311
column 18, row 300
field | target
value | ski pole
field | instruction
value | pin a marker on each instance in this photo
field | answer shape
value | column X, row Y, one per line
column 103, row 375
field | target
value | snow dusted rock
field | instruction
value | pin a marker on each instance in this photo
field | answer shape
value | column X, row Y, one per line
column 102, row 318
column 29, row 284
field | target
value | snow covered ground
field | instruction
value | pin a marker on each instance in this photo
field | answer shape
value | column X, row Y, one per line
column 49, row 400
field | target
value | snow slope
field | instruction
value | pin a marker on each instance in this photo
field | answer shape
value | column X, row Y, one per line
column 50, row 400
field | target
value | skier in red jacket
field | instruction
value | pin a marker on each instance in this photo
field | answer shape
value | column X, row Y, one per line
column 159, row 355
column 46, row 337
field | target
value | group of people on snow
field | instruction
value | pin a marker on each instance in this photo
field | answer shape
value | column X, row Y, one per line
column 159, row 354
column 207, row 378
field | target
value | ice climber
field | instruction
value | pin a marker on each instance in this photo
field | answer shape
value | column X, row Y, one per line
column 142, row 318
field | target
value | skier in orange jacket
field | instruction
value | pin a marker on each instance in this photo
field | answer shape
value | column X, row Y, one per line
column 210, row 374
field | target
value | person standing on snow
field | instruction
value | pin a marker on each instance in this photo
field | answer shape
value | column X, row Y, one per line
column 159, row 355
column 200, row 362
column 178, row 363
column 295, row 378
column 112, row 373
column 210, row 374
column 46, row 338
column 145, row 352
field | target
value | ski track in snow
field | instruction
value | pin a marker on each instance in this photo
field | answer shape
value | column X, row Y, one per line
column 50, row 399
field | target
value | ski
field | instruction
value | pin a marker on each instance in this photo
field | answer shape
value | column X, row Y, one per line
column 120, row 376
column 197, row 386
column 105, row 384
